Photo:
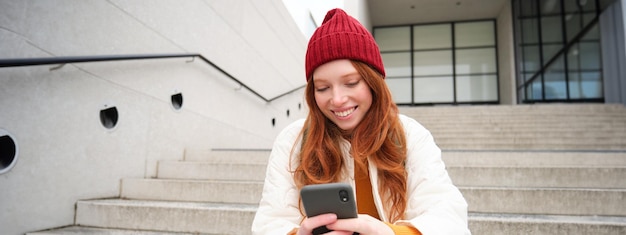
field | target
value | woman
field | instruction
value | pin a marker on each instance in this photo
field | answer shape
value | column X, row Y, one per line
column 354, row 133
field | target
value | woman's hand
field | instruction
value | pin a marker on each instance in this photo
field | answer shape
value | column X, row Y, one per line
column 310, row 223
column 364, row 225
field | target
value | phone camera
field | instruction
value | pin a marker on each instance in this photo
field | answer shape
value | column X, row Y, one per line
column 343, row 195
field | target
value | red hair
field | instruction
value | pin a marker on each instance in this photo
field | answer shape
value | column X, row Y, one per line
column 379, row 138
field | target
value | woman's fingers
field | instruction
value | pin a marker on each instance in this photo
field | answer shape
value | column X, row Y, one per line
column 307, row 226
column 364, row 224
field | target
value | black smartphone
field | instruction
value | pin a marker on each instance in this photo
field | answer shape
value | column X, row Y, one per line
column 337, row 198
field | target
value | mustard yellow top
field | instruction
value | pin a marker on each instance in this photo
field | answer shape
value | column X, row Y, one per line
column 365, row 203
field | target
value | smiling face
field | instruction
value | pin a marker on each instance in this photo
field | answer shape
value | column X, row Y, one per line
column 341, row 93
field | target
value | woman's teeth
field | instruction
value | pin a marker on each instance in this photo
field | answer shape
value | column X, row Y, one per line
column 345, row 113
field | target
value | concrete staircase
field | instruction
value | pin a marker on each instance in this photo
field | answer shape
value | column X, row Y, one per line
column 540, row 169
column 536, row 169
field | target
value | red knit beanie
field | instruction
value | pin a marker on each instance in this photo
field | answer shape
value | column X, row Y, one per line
column 342, row 37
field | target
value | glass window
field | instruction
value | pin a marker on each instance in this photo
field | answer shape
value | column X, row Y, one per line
column 550, row 7
column 584, row 56
column 534, row 93
column 555, row 85
column 393, row 39
column 427, row 59
column 527, row 77
column 590, row 56
column 551, row 30
column 549, row 51
column 528, row 8
column 401, row 89
column 432, row 63
column 477, row 88
column 397, row 64
column 473, row 61
column 593, row 34
column 575, row 23
column 587, row 85
column 531, row 62
column 474, row 34
column 433, row 90
column 587, row 5
column 437, row 36
column 530, row 29
column 573, row 58
column 571, row 6
column 578, row 77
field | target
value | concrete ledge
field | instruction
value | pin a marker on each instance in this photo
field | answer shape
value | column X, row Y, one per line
column 488, row 224
column 183, row 217
column 460, row 142
column 210, row 170
column 534, row 158
column 550, row 201
column 77, row 230
column 542, row 177
column 192, row 190
column 229, row 156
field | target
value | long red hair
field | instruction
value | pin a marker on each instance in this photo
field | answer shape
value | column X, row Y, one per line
column 379, row 138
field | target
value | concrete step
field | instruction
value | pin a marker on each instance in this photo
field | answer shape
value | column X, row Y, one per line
column 220, row 170
column 484, row 224
column 529, row 143
column 218, row 191
column 466, row 168
column 78, row 230
column 453, row 158
column 535, row 158
column 546, row 135
column 501, row 199
column 228, row 156
column 496, row 224
column 518, row 110
column 550, row 201
column 181, row 217
column 479, row 223
column 541, row 177
column 579, row 130
column 510, row 120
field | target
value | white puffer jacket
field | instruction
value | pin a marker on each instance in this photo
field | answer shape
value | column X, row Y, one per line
column 435, row 205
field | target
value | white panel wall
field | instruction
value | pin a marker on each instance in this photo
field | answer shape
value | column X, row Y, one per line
column 65, row 154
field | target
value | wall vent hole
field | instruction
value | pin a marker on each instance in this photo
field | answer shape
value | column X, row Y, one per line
column 8, row 152
column 273, row 121
column 109, row 117
column 177, row 101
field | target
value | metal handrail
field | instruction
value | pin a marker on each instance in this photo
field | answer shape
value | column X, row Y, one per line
column 84, row 59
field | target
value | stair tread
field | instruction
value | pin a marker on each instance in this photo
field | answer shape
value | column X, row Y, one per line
column 616, row 190
column 103, row 231
column 173, row 204
column 613, row 220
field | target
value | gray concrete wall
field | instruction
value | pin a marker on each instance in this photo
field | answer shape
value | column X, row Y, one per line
column 65, row 154
column 506, row 56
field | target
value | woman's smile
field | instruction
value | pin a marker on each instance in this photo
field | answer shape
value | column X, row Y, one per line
column 345, row 113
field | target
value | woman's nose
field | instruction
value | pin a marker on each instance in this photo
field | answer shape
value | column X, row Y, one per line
column 339, row 97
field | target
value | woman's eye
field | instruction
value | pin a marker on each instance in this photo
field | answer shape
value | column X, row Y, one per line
column 353, row 84
column 321, row 89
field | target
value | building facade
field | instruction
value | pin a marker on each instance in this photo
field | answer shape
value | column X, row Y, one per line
column 533, row 51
